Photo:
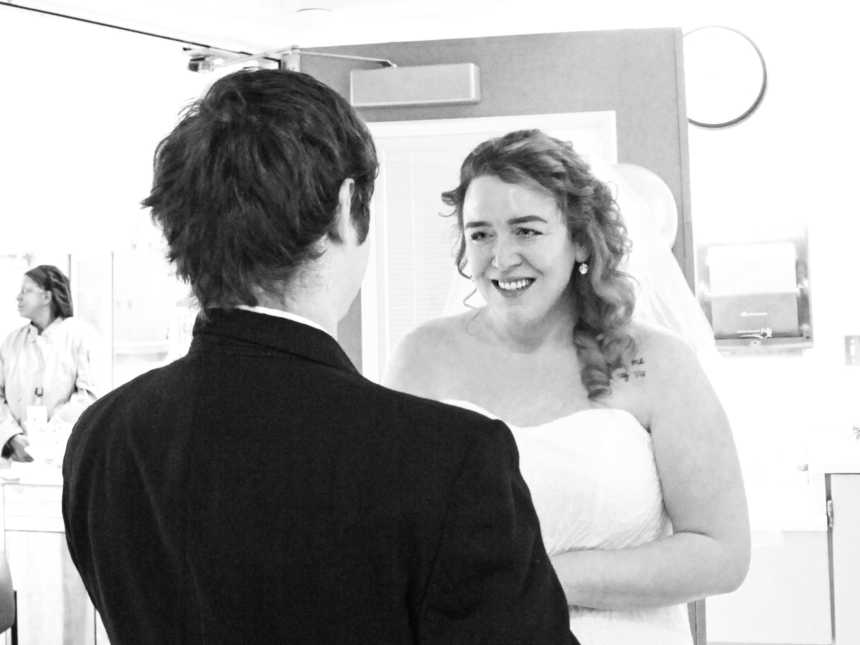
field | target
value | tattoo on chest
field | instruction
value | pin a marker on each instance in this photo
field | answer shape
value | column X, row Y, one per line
column 635, row 371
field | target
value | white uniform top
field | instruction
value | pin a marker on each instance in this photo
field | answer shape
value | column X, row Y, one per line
column 53, row 369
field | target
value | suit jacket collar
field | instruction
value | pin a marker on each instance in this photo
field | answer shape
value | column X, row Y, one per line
column 271, row 332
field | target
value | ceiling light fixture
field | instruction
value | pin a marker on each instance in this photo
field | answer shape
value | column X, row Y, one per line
column 209, row 59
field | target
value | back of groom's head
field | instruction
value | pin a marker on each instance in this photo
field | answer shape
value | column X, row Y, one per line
column 247, row 183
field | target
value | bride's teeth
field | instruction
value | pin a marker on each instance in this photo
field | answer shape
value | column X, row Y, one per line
column 513, row 285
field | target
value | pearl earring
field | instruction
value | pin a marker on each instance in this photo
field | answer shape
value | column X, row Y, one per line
column 583, row 268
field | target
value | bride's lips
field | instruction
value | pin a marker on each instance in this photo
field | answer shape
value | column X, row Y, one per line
column 512, row 287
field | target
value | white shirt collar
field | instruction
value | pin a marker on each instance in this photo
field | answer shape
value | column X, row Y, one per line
column 34, row 332
column 280, row 313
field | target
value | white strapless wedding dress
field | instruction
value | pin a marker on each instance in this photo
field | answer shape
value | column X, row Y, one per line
column 595, row 485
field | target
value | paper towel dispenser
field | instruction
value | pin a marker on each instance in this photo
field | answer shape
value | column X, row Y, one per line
column 757, row 293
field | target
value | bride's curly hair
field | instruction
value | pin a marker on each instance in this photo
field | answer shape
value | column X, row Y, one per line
column 604, row 297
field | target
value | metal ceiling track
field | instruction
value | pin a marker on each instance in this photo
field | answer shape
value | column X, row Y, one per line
column 204, row 57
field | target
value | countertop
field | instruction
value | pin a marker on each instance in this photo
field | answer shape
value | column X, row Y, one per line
column 30, row 474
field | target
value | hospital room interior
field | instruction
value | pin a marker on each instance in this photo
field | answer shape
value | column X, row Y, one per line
column 736, row 121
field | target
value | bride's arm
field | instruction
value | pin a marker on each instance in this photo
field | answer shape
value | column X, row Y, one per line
column 703, row 494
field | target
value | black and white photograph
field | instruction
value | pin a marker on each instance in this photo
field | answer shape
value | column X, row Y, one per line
column 377, row 322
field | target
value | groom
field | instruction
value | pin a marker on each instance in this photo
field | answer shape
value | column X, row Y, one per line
column 260, row 490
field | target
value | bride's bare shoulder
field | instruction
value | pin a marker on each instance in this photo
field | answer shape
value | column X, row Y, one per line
column 655, row 340
column 420, row 357
column 664, row 355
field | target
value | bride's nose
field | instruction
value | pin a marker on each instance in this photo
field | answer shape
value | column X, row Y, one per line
column 505, row 254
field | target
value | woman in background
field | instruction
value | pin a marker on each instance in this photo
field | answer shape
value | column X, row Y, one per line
column 624, row 445
column 46, row 372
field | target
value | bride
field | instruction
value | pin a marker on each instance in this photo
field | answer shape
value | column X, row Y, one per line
column 624, row 445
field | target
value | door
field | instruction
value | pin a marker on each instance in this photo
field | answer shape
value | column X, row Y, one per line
column 844, row 520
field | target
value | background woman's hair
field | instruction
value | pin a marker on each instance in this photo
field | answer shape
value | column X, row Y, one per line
column 604, row 297
column 247, row 183
column 50, row 278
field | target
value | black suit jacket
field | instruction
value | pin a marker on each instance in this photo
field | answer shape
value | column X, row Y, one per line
column 260, row 490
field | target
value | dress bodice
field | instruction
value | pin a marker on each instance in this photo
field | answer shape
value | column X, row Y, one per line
column 594, row 484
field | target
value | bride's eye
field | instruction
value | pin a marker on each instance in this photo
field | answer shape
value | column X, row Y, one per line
column 527, row 232
column 478, row 236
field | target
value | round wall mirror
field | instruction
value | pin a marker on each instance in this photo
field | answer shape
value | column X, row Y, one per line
column 725, row 76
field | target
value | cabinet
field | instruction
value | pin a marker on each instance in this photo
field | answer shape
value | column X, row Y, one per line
column 53, row 606
column 843, row 511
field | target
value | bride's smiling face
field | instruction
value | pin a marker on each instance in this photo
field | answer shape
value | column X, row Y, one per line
column 518, row 248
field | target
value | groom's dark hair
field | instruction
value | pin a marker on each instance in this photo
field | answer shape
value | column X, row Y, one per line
column 247, row 183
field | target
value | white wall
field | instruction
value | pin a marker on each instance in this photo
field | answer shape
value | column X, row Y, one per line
column 82, row 109
column 791, row 162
